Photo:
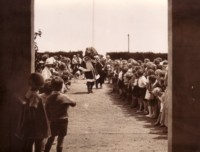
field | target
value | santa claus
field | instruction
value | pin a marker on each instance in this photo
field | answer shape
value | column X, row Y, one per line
column 88, row 67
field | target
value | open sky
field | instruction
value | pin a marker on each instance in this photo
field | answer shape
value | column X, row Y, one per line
column 68, row 25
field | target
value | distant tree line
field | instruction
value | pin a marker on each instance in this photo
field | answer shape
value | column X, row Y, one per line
column 113, row 55
column 137, row 55
column 62, row 53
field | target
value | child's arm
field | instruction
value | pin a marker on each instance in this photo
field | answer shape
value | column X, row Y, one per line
column 72, row 103
column 69, row 101
column 83, row 69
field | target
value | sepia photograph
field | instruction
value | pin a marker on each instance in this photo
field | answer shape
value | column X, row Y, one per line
column 100, row 76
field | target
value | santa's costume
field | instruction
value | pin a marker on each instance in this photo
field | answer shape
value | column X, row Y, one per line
column 87, row 66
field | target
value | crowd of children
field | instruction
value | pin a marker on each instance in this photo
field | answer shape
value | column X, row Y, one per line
column 143, row 85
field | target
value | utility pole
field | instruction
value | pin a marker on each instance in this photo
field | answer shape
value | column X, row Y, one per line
column 93, row 22
column 128, row 43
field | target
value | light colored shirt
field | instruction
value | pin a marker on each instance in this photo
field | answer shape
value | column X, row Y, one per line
column 142, row 82
column 46, row 73
column 120, row 75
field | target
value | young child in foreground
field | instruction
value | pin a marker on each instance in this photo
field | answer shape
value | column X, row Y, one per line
column 34, row 128
column 57, row 111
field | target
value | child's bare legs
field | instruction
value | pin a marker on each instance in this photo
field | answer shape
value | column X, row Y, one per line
column 59, row 146
column 145, row 107
column 60, row 143
column 39, row 145
column 155, row 110
column 157, row 123
column 124, row 92
column 149, row 108
column 109, row 79
column 140, row 102
column 162, row 118
column 120, row 92
column 49, row 143
column 134, row 101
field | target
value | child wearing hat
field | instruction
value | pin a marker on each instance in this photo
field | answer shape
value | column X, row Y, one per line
column 46, row 91
column 46, row 72
column 57, row 106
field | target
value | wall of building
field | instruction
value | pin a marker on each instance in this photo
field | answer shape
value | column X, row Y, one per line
column 16, row 30
column 184, row 42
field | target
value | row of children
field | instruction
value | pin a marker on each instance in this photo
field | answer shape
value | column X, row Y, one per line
column 44, row 116
column 144, row 86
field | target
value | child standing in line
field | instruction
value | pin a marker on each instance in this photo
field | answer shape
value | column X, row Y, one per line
column 157, row 92
column 142, row 82
column 149, row 96
column 46, row 91
column 57, row 111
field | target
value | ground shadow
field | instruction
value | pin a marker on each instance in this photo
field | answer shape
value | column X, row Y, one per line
column 162, row 137
column 129, row 111
column 79, row 93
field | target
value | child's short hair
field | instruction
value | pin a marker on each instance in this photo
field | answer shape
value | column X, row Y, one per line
column 156, row 61
column 47, row 87
column 36, row 80
column 162, row 80
column 146, row 60
column 159, row 66
column 62, row 66
column 150, row 72
column 140, row 72
column 57, row 83
column 162, row 74
column 152, row 78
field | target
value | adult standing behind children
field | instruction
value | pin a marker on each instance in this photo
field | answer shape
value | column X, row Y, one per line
column 46, row 72
column 57, row 111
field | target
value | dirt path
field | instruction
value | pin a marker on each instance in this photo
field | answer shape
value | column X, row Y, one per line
column 102, row 123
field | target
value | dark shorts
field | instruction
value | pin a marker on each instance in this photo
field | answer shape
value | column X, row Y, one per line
column 120, row 84
column 59, row 128
column 141, row 92
column 135, row 91
column 152, row 102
